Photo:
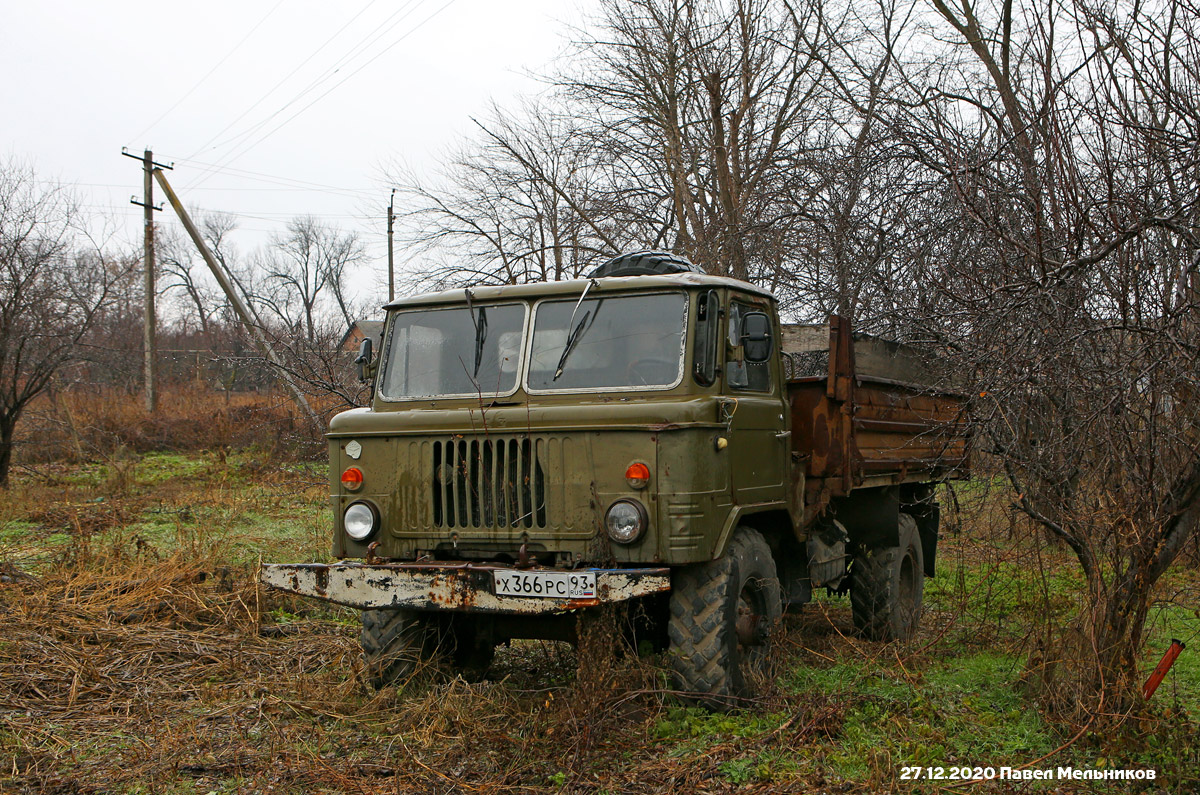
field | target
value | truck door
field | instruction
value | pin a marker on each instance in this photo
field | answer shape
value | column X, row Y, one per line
column 755, row 411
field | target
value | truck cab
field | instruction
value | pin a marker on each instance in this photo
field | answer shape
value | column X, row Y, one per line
column 531, row 451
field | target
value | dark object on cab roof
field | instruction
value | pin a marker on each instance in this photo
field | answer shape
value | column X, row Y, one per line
column 646, row 263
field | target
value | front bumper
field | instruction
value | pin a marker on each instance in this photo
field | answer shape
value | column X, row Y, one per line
column 446, row 586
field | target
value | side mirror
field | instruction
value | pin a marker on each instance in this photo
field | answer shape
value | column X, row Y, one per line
column 365, row 370
column 756, row 336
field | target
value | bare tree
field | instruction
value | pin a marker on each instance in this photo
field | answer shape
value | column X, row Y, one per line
column 706, row 110
column 185, row 272
column 515, row 206
column 1064, row 138
column 301, row 265
column 50, row 294
column 678, row 128
column 322, row 369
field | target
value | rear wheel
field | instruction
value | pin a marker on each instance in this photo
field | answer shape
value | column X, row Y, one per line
column 888, row 585
column 722, row 616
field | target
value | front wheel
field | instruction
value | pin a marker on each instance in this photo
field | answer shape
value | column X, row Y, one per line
column 395, row 643
column 887, row 587
column 722, row 616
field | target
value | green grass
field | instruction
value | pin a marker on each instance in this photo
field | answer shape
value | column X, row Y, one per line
column 690, row 723
column 15, row 532
column 1181, row 688
column 155, row 468
column 966, row 710
column 766, row 767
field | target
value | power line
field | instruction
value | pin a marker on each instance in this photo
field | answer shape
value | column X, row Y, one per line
column 349, row 55
column 209, row 73
column 287, row 183
column 285, row 78
column 261, row 190
column 418, row 26
column 272, row 178
column 266, row 215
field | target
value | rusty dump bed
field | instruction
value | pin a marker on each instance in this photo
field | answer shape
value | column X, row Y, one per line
column 869, row 412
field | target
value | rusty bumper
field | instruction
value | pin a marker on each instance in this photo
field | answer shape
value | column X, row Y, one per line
column 446, row 586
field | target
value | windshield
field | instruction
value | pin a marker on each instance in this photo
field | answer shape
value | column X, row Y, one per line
column 453, row 352
column 626, row 341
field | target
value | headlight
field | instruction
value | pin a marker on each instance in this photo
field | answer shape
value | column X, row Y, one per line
column 360, row 520
column 626, row 521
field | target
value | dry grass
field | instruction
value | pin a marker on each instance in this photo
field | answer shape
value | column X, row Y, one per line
column 141, row 657
column 87, row 423
column 126, row 675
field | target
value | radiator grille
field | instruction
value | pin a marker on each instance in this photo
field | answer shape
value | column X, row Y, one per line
column 491, row 482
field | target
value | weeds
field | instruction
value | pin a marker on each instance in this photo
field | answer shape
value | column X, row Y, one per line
column 139, row 656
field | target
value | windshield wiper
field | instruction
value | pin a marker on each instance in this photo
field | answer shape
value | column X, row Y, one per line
column 576, row 331
column 480, row 324
column 480, row 336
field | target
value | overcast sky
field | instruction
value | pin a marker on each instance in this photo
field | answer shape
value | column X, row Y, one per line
column 299, row 104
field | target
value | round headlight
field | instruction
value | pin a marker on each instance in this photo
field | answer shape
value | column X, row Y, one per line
column 625, row 521
column 360, row 520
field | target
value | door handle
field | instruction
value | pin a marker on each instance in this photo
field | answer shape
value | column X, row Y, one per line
column 783, row 435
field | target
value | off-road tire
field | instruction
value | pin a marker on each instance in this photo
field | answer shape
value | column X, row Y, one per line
column 887, row 586
column 395, row 643
column 711, row 666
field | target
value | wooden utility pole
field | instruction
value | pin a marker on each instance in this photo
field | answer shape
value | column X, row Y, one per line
column 391, row 261
column 249, row 320
column 149, row 317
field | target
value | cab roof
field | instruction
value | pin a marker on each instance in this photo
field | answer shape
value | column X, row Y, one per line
column 573, row 288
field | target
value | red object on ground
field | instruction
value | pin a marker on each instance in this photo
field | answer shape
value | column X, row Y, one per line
column 1161, row 669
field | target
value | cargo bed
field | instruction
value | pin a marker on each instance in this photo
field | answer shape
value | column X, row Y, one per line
column 868, row 412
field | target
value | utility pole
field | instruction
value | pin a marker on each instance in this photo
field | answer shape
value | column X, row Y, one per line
column 149, row 317
column 391, row 261
column 244, row 312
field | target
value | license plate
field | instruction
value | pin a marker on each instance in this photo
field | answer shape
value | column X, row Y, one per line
column 547, row 584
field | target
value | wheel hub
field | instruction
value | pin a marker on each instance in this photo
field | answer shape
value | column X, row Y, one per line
column 749, row 622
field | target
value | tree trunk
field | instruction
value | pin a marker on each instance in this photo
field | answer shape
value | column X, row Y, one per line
column 8, row 423
column 1117, row 630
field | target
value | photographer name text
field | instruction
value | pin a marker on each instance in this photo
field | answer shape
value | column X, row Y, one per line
column 969, row 773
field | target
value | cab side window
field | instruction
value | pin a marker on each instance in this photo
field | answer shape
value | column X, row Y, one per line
column 740, row 374
column 708, row 338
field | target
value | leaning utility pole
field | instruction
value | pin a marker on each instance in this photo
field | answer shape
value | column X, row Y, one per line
column 149, row 317
column 391, row 265
column 235, row 301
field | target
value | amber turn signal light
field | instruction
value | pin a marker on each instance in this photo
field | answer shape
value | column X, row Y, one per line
column 352, row 479
column 637, row 475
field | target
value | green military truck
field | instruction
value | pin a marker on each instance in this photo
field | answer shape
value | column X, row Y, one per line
column 650, row 433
